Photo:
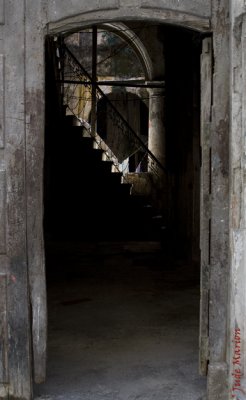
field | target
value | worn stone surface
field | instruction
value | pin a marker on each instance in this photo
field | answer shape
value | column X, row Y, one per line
column 58, row 9
column 218, row 295
column 115, row 316
column 21, row 114
column 2, row 212
column 2, row 101
column 34, row 103
column 2, row 11
column 62, row 20
column 3, row 220
column 220, row 329
column 202, row 8
column 205, row 199
column 237, row 211
column 217, row 381
column 19, row 368
column 3, row 330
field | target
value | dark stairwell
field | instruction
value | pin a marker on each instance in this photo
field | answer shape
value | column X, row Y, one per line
column 87, row 201
column 84, row 199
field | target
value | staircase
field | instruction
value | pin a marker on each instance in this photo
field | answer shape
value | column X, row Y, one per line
column 88, row 201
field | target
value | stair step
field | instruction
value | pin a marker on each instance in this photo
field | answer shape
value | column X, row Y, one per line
column 73, row 132
column 140, row 201
column 91, row 200
column 115, row 178
column 87, row 142
column 71, row 120
column 106, row 166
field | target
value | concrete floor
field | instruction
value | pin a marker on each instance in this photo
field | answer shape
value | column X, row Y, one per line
column 123, row 325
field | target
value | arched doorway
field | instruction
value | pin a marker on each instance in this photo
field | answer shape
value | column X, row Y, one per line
column 130, row 254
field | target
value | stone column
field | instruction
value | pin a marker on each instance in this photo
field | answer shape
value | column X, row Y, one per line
column 157, row 144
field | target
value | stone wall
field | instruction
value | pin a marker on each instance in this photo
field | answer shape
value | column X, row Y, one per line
column 58, row 9
column 23, row 26
column 237, row 299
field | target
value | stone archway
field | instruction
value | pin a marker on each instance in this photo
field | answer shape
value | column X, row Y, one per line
column 217, row 364
column 135, row 43
column 74, row 21
column 154, row 353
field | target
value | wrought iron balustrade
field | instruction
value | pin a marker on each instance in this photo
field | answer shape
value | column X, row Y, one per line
column 77, row 92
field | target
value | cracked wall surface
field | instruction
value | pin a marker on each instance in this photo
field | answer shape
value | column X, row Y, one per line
column 23, row 26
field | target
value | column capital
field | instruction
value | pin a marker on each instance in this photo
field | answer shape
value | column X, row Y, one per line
column 153, row 90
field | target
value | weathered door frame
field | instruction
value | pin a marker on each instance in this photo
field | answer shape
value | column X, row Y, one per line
column 205, row 200
column 213, row 350
column 21, row 180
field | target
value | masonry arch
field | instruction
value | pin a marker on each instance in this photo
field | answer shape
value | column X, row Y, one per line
column 60, row 22
column 130, row 37
column 148, row 75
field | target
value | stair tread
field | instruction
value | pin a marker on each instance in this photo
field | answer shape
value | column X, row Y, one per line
column 89, row 194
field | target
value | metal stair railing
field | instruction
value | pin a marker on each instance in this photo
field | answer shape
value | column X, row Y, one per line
column 75, row 74
column 107, row 152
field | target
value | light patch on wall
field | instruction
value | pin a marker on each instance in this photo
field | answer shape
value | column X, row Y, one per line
column 2, row 96
column 2, row 212
column 58, row 9
column 3, row 332
column 129, row 3
column 201, row 8
column 1, row 12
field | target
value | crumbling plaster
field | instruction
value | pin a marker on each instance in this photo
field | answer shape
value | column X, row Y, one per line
column 237, row 299
column 23, row 26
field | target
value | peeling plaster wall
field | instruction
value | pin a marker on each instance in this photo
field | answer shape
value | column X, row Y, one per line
column 58, row 9
column 237, row 298
column 23, row 25
column 219, row 236
column 194, row 14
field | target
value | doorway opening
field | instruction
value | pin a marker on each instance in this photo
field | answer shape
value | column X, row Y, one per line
column 122, row 210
